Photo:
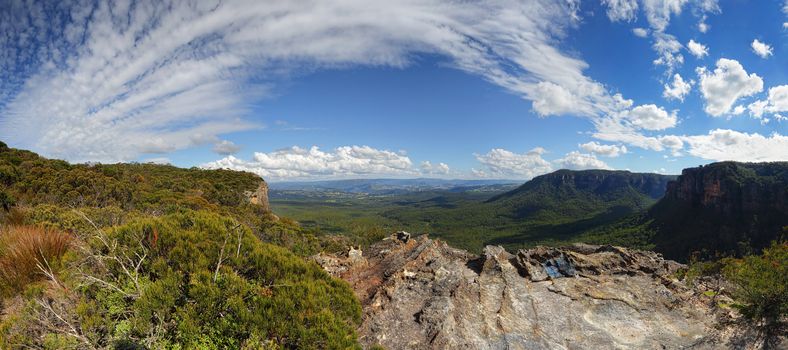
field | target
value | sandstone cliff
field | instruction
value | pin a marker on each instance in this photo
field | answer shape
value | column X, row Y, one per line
column 725, row 207
column 422, row 294
column 260, row 196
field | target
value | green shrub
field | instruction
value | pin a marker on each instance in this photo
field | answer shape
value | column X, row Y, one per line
column 761, row 285
column 179, row 295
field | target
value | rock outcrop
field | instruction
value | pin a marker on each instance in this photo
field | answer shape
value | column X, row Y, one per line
column 722, row 208
column 423, row 294
column 260, row 196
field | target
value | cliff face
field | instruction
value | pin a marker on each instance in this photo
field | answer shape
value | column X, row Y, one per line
column 423, row 294
column 723, row 207
column 260, row 196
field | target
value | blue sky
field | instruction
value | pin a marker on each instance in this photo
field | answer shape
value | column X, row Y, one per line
column 421, row 88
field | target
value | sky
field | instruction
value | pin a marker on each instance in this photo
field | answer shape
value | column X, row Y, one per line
column 308, row 90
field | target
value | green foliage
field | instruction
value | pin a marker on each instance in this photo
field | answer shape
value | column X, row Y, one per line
column 6, row 201
column 36, row 180
column 197, row 279
column 761, row 285
column 548, row 210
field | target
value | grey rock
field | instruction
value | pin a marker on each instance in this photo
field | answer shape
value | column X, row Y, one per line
column 423, row 294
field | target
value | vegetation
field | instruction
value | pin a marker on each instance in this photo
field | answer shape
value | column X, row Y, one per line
column 133, row 256
column 544, row 211
column 27, row 253
column 761, row 286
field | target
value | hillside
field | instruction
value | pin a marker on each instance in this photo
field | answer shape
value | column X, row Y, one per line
column 568, row 193
column 143, row 256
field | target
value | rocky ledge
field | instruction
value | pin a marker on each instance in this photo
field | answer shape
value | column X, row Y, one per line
column 422, row 294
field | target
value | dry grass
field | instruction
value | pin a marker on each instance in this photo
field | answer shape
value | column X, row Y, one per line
column 26, row 252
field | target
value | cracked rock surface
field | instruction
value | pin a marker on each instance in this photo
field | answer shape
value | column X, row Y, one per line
column 423, row 294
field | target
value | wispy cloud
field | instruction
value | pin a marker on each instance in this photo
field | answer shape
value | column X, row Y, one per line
column 115, row 82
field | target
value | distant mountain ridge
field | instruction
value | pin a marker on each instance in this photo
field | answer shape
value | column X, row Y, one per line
column 390, row 186
column 600, row 182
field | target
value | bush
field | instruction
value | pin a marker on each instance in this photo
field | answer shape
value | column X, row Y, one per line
column 24, row 251
column 157, row 283
column 761, row 285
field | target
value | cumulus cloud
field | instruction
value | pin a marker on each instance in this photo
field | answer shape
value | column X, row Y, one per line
column 503, row 163
column 725, row 85
column 640, row 32
column 678, row 89
column 672, row 143
column 651, row 117
column 697, row 49
column 301, row 163
column 722, row 144
column 761, row 49
column 776, row 101
column 226, row 148
column 621, row 10
column 428, row 168
column 146, row 76
column 603, row 150
column 579, row 161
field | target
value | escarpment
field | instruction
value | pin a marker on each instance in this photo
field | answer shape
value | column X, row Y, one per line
column 419, row 293
column 722, row 208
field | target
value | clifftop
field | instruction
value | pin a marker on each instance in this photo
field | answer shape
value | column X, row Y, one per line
column 423, row 294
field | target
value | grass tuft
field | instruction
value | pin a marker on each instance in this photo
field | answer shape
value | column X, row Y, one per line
column 23, row 249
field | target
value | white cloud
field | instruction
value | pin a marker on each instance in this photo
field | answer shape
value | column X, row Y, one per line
column 678, row 89
column 651, row 117
column 776, row 101
column 658, row 12
column 158, row 160
column 757, row 108
column 603, row 150
column 503, row 163
column 668, row 48
column 738, row 110
column 579, row 161
column 621, row 10
column 119, row 82
column 697, row 49
column 640, row 32
column 723, row 87
column 673, row 143
column 761, row 49
column 721, row 144
column 703, row 27
column 226, row 148
column 300, row 163
column 434, row 169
